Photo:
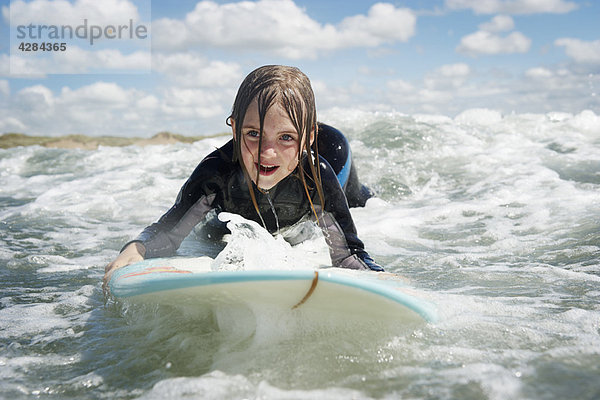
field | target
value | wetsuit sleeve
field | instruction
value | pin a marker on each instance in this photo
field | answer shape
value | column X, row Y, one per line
column 345, row 248
column 194, row 201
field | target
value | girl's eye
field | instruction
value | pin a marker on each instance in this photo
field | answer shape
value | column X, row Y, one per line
column 253, row 134
column 287, row 137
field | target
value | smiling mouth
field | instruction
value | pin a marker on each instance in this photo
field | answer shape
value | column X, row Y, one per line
column 267, row 169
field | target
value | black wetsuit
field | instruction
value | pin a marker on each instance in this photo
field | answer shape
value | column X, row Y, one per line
column 218, row 183
column 334, row 147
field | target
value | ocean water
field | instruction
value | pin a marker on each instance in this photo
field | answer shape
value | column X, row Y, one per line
column 495, row 218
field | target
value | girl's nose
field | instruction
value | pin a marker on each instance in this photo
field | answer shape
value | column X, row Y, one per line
column 267, row 148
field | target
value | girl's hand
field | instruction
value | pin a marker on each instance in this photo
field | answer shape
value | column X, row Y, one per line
column 134, row 252
column 373, row 266
column 362, row 262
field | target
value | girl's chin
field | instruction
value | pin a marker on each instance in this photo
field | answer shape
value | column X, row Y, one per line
column 266, row 185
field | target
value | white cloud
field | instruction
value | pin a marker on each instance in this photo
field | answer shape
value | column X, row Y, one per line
column 105, row 94
column 4, row 88
column 194, row 92
column 437, row 91
column 487, row 41
column 17, row 66
column 37, row 97
column 450, row 89
column 580, row 50
column 78, row 61
column 62, row 15
column 11, row 124
column 330, row 96
column 454, row 70
column 147, row 103
column 400, row 86
column 114, row 60
column 192, row 70
column 482, row 42
column 91, row 24
column 384, row 22
column 500, row 23
column 538, row 90
column 280, row 27
column 94, row 109
column 62, row 12
column 427, row 97
column 539, row 73
column 513, row 6
column 447, row 77
column 544, row 90
column 106, row 108
column 193, row 103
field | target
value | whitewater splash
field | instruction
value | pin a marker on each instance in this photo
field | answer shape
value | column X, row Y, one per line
column 496, row 217
column 252, row 247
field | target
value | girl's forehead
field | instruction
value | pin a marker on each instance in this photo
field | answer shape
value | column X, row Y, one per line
column 275, row 112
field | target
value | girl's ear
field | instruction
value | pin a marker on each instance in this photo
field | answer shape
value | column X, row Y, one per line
column 232, row 124
column 312, row 136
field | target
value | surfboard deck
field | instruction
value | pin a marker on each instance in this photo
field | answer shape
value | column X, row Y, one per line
column 360, row 295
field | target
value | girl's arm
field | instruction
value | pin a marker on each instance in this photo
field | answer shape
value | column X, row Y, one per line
column 195, row 200
column 345, row 248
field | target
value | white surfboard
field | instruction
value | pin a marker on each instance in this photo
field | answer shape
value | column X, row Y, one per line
column 358, row 295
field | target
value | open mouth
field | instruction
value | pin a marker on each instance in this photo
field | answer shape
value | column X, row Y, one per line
column 267, row 169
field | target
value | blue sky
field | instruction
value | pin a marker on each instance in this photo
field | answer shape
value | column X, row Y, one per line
column 411, row 57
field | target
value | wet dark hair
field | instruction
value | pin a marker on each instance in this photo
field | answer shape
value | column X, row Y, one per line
column 290, row 88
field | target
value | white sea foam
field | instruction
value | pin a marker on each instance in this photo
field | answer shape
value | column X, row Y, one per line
column 251, row 247
column 479, row 117
column 495, row 217
column 218, row 385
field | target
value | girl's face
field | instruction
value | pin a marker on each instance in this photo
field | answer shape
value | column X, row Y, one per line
column 279, row 149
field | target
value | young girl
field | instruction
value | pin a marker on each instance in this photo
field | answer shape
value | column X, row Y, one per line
column 270, row 172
